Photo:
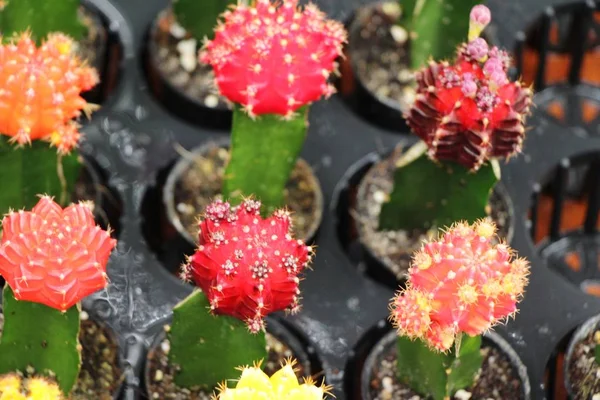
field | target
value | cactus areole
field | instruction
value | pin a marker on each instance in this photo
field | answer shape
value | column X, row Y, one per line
column 54, row 256
column 248, row 266
column 459, row 286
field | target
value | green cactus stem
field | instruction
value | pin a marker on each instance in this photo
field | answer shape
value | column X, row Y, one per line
column 436, row 27
column 263, row 154
column 208, row 349
column 597, row 353
column 32, row 170
column 427, row 195
column 41, row 337
column 41, row 17
column 439, row 375
column 199, row 17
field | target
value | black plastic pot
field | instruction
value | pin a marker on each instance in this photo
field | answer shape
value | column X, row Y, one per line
column 381, row 337
column 276, row 326
column 176, row 239
column 580, row 334
column 176, row 101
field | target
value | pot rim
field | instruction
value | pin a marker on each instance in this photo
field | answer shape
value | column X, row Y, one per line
column 580, row 333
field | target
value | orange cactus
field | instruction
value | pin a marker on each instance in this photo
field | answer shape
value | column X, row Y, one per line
column 40, row 91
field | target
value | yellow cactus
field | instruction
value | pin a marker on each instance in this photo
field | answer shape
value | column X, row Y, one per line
column 254, row 384
column 15, row 387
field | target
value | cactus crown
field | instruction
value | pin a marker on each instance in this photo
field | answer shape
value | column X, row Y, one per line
column 16, row 387
column 53, row 256
column 461, row 282
column 469, row 112
column 41, row 89
column 274, row 58
column 247, row 266
column 254, row 384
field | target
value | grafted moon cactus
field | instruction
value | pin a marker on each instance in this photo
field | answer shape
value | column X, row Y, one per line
column 459, row 286
column 16, row 387
column 53, row 256
column 248, row 266
column 254, row 384
column 272, row 57
column 41, row 89
column 468, row 111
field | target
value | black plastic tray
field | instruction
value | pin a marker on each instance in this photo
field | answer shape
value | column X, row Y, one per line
column 132, row 138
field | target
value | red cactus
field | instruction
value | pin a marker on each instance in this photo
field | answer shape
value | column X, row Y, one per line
column 247, row 266
column 459, row 283
column 40, row 91
column 469, row 112
column 274, row 58
column 53, row 256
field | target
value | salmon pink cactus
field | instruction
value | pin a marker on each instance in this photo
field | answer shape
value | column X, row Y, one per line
column 248, row 266
column 40, row 91
column 273, row 58
column 54, row 256
column 460, row 283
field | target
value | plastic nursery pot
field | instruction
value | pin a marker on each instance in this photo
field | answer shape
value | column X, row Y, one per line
column 388, row 253
column 582, row 372
column 376, row 80
column 196, row 180
column 372, row 374
column 101, row 375
column 282, row 340
column 182, row 84
column 101, row 50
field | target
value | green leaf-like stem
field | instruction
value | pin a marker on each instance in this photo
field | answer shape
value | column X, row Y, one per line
column 427, row 194
column 42, row 337
column 199, row 17
column 208, row 348
column 41, row 17
column 263, row 154
column 436, row 374
column 29, row 171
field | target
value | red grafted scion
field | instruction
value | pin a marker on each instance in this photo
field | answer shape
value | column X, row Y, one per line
column 461, row 282
column 273, row 58
column 54, row 256
column 248, row 266
column 40, row 91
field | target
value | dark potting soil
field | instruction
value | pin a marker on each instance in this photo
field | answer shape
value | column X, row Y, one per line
column 583, row 370
column 161, row 372
column 87, row 47
column 497, row 379
column 176, row 59
column 394, row 249
column 100, row 375
column 379, row 52
column 201, row 184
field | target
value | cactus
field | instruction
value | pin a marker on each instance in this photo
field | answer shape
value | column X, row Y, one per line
column 50, row 258
column 467, row 114
column 283, row 384
column 198, row 17
column 246, row 267
column 41, row 17
column 39, row 98
column 277, row 65
column 16, row 387
column 436, row 27
column 459, row 286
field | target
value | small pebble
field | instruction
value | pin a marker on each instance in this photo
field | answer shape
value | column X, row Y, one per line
column 596, row 396
column 187, row 54
column 380, row 196
column 463, row 395
column 211, row 101
column 165, row 346
column 158, row 376
column 399, row 34
column 177, row 31
column 84, row 316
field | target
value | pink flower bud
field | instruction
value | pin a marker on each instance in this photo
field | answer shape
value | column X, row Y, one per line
column 477, row 49
column 480, row 17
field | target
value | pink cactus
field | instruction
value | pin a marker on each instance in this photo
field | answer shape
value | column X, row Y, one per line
column 479, row 18
column 461, row 282
column 273, row 58
column 53, row 256
column 248, row 266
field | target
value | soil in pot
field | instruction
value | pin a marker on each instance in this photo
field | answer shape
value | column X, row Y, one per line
column 100, row 374
column 174, row 54
column 92, row 45
column 161, row 372
column 583, row 370
column 497, row 379
column 201, row 184
column 394, row 249
column 379, row 53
